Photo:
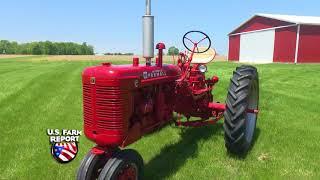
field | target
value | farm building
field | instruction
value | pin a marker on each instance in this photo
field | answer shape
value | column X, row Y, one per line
column 267, row 38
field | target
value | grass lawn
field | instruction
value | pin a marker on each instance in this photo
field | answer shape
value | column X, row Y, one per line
column 36, row 95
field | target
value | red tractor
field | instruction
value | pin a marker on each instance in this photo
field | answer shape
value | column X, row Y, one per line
column 122, row 103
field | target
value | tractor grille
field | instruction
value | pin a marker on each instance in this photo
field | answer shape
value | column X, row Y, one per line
column 109, row 108
column 104, row 107
column 87, row 105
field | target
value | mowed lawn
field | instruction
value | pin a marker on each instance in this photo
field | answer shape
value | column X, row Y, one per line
column 37, row 95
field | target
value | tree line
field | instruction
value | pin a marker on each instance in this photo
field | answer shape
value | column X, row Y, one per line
column 119, row 54
column 45, row 48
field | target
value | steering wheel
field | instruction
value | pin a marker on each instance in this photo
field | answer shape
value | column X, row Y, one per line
column 195, row 48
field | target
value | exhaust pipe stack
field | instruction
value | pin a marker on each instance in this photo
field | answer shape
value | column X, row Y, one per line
column 148, row 7
column 148, row 34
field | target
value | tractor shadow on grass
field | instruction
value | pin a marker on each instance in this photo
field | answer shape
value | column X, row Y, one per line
column 172, row 157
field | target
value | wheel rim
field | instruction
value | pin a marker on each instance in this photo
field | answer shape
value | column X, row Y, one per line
column 129, row 172
column 98, row 168
column 251, row 117
column 97, row 172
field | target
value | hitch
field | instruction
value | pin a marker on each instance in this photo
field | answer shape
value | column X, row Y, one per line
column 222, row 107
column 198, row 123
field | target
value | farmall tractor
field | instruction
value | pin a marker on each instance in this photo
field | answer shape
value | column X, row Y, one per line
column 122, row 103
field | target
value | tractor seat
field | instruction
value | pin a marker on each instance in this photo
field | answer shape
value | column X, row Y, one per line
column 203, row 58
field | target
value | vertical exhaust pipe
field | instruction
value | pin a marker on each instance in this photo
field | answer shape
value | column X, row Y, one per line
column 148, row 7
column 148, row 34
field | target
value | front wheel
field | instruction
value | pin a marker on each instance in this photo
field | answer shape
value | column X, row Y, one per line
column 91, row 166
column 240, row 120
column 126, row 165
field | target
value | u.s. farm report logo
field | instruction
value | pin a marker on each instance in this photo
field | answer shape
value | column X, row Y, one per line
column 64, row 144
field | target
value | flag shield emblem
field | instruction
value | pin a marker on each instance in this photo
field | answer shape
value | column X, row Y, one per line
column 64, row 152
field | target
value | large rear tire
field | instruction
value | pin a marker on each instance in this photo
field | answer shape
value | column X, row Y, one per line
column 127, row 164
column 239, row 124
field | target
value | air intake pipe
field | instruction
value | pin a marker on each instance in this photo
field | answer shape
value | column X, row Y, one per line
column 148, row 34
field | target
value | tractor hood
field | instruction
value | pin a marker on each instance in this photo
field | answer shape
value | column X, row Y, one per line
column 145, row 74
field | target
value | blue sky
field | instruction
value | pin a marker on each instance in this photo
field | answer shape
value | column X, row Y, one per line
column 115, row 26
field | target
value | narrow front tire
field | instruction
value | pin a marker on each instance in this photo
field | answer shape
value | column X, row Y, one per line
column 127, row 164
column 91, row 166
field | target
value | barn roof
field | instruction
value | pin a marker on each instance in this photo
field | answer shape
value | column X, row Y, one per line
column 311, row 20
column 306, row 20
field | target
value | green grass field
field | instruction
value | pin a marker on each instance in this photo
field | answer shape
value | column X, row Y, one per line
column 37, row 95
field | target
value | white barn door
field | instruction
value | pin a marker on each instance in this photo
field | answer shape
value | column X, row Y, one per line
column 257, row 47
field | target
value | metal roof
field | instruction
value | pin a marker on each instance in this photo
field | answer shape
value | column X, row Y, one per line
column 311, row 20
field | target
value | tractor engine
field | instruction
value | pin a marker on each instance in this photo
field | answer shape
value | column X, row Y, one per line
column 123, row 102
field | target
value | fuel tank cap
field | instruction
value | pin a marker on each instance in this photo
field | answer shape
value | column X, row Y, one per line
column 106, row 64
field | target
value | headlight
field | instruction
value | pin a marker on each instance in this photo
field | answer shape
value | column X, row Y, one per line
column 202, row 68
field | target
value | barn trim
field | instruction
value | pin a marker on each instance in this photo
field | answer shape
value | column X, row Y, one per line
column 305, row 20
column 297, row 45
column 273, row 28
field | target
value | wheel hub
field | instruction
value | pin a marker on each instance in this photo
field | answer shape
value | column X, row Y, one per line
column 129, row 172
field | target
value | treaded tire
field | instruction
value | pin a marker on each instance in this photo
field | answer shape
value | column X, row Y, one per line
column 119, row 162
column 91, row 166
column 239, row 125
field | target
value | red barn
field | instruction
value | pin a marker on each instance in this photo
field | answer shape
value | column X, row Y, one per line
column 267, row 38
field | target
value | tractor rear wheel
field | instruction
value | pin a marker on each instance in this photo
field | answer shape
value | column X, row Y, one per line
column 126, row 165
column 91, row 166
column 240, row 124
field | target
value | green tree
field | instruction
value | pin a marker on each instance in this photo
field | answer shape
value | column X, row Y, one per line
column 84, row 48
column 90, row 50
column 36, row 49
column 13, row 48
column 173, row 51
column 4, row 44
column 50, row 48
